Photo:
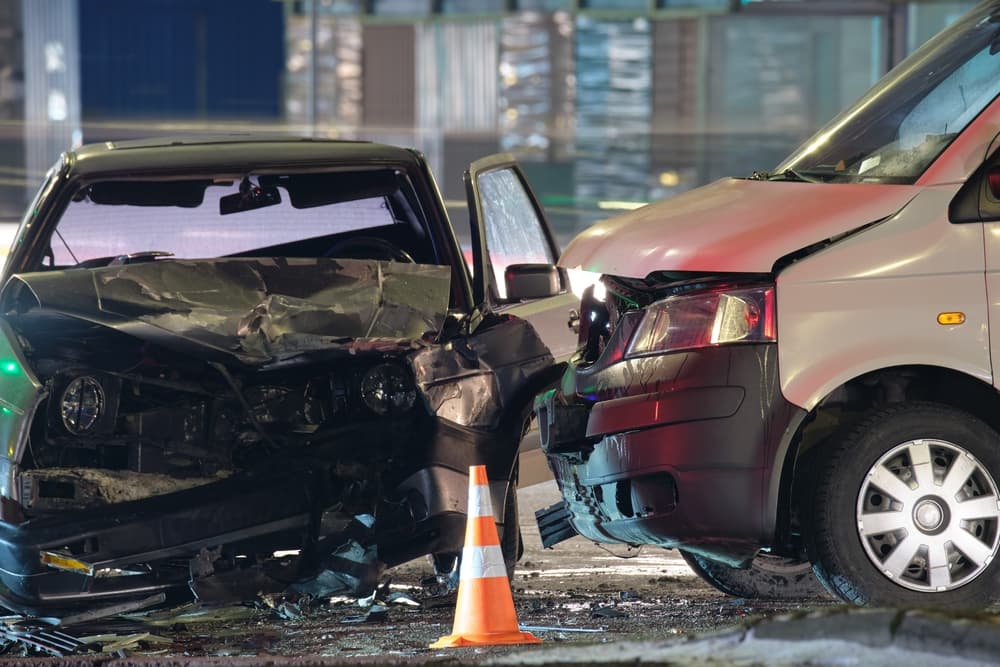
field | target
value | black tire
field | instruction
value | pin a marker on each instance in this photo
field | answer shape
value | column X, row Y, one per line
column 908, row 486
column 510, row 540
column 510, row 537
column 768, row 578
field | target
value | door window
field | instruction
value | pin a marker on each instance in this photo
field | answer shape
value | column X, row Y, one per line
column 514, row 230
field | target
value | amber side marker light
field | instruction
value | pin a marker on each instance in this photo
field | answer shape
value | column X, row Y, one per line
column 948, row 319
column 62, row 562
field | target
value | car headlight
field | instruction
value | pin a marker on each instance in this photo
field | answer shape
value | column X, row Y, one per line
column 717, row 317
column 388, row 390
column 82, row 404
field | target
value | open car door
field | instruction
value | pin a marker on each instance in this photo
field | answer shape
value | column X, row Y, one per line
column 514, row 253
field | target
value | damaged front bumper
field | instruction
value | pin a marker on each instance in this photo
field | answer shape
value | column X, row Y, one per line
column 59, row 563
column 675, row 450
column 107, row 553
column 192, row 473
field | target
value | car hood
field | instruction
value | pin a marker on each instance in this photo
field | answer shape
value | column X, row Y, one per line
column 731, row 225
column 254, row 310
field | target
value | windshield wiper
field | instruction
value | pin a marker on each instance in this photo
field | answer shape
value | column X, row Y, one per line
column 792, row 175
column 786, row 175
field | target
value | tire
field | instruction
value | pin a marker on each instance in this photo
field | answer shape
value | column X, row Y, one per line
column 447, row 564
column 768, row 578
column 906, row 513
column 510, row 538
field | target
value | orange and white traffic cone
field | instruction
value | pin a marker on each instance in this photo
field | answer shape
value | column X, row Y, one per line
column 485, row 614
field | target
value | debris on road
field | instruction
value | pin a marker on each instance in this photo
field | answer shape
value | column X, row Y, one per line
column 607, row 612
column 550, row 628
column 38, row 638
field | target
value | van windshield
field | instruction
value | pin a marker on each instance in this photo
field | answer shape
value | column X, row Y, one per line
column 894, row 132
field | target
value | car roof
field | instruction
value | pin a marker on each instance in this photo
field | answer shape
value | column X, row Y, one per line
column 230, row 153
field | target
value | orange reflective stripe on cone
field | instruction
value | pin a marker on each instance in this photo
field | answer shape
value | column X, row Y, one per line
column 484, row 613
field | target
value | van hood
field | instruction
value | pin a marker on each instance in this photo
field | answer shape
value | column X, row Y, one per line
column 731, row 226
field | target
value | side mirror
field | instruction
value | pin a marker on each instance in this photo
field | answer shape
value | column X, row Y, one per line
column 978, row 200
column 993, row 182
column 531, row 281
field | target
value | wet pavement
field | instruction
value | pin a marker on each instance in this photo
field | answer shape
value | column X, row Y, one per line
column 589, row 604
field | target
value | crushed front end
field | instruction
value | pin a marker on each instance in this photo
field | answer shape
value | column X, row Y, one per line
column 226, row 427
column 667, row 421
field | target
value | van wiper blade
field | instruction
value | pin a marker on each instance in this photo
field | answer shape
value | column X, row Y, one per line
column 792, row 175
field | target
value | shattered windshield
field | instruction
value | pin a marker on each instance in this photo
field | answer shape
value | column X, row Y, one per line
column 894, row 132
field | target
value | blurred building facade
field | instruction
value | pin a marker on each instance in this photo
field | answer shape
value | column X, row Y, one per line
column 608, row 103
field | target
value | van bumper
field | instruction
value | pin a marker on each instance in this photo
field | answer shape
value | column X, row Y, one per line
column 675, row 450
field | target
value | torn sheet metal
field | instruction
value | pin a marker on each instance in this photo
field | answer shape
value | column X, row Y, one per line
column 472, row 382
column 47, row 640
column 256, row 309
column 352, row 569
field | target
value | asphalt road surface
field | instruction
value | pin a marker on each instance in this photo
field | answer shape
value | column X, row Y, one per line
column 587, row 604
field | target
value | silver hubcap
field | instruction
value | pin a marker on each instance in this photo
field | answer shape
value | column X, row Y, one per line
column 928, row 515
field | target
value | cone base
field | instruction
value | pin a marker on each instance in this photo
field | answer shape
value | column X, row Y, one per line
column 486, row 639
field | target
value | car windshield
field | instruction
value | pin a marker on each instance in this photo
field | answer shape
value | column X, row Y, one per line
column 894, row 132
column 287, row 215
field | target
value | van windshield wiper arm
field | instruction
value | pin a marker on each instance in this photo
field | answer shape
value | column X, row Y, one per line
column 792, row 175
column 786, row 175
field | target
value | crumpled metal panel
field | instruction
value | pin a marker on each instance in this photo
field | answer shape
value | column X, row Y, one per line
column 258, row 309
column 473, row 382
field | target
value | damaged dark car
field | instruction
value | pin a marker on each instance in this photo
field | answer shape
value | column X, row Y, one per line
column 234, row 366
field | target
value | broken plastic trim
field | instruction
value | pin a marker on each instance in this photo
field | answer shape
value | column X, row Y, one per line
column 63, row 562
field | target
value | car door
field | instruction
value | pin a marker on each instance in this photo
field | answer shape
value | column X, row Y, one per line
column 510, row 237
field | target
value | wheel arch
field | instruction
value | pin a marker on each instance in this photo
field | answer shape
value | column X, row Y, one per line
column 795, row 470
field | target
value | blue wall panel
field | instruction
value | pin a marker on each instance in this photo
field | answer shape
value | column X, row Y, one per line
column 181, row 59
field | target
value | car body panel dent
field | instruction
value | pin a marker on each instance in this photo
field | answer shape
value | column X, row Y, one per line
column 256, row 309
column 293, row 377
column 475, row 381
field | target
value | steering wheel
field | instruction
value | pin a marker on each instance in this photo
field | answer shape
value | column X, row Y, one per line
column 368, row 247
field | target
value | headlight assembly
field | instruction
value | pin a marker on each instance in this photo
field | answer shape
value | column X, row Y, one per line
column 387, row 389
column 718, row 317
column 82, row 404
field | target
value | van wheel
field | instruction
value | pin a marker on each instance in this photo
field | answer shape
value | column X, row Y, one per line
column 907, row 511
column 768, row 578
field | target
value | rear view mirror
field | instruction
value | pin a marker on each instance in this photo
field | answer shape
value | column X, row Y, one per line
column 249, row 197
column 531, row 281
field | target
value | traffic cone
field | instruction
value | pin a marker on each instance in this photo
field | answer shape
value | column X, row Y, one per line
column 484, row 614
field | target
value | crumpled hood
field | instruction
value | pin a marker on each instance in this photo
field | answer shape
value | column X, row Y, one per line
column 731, row 225
column 258, row 310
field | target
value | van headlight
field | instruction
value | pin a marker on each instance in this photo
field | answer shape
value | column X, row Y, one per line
column 718, row 317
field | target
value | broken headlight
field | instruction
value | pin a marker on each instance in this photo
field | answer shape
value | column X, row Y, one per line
column 388, row 390
column 82, row 404
column 715, row 317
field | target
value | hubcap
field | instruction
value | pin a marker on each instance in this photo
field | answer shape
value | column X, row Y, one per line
column 928, row 515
